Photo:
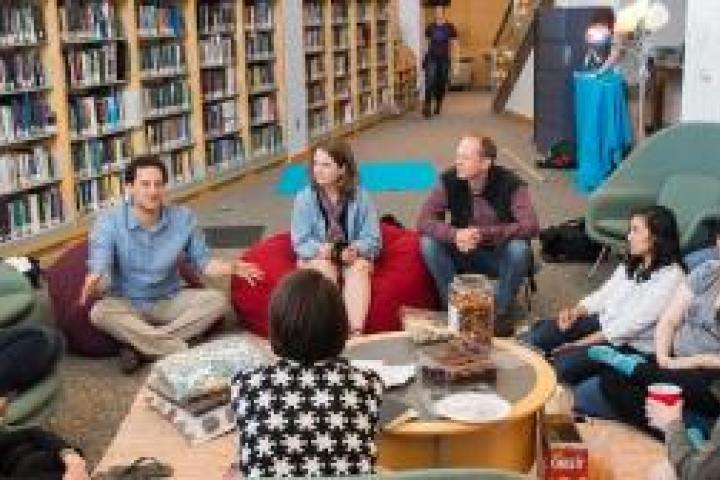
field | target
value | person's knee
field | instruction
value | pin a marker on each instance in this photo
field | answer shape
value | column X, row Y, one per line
column 361, row 266
column 214, row 300
column 431, row 249
column 518, row 252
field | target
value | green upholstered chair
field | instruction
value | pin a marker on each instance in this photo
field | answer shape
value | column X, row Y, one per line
column 20, row 304
column 16, row 296
column 679, row 168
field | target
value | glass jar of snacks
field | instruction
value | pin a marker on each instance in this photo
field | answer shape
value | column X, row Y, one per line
column 471, row 308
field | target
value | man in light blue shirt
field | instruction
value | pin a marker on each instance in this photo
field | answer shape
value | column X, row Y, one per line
column 136, row 247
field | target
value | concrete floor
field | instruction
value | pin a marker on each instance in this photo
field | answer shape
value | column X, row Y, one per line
column 97, row 395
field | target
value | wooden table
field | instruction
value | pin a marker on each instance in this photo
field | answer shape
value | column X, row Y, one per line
column 508, row 444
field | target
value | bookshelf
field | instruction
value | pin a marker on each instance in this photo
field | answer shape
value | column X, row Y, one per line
column 316, row 38
column 264, row 59
column 165, row 78
column 87, row 84
column 30, row 195
column 217, row 25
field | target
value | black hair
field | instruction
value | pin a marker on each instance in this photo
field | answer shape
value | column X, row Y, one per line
column 308, row 319
column 145, row 161
column 665, row 238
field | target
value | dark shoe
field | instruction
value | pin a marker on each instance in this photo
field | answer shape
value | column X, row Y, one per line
column 129, row 359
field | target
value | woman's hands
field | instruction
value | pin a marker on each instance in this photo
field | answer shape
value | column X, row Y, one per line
column 568, row 316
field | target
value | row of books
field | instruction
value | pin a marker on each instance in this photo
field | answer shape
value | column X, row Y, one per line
column 259, row 14
column 30, row 214
column 216, row 49
column 340, row 12
column 342, row 64
column 314, row 38
column 21, row 70
column 179, row 166
column 259, row 75
column 89, row 19
column 263, row 109
column 342, row 88
column 218, row 82
column 24, row 116
column 341, row 37
column 96, row 114
column 367, row 103
column 173, row 93
column 382, row 56
column 162, row 57
column 343, row 113
column 313, row 12
column 363, row 58
column 224, row 153
column 168, row 133
column 221, row 117
column 259, row 43
column 101, row 155
column 23, row 169
column 160, row 19
column 318, row 122
column 96, row 65
column 316, row 93
column 266, row 140
column 315, row 67
column 363, row 36
column 363, row 11
column 99, row 193
column 216, row 16
column 20, row 23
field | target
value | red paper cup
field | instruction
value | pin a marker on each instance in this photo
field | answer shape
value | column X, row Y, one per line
column 665, row 392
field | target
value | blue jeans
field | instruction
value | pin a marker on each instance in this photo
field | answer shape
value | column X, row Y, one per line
column 509, row 263
column 590, row 399
column 697, row 257
column 572, row 365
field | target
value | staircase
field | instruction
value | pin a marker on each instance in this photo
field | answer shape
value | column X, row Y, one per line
column 511, row 47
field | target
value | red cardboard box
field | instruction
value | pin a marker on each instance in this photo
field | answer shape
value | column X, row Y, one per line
column 563, row 454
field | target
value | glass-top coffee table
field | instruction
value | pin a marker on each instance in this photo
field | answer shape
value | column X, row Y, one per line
column 524, row 379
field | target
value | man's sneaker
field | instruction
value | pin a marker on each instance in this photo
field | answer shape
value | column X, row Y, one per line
column 130, row 359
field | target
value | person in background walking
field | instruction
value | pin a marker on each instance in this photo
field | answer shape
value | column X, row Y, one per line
column 440, row 34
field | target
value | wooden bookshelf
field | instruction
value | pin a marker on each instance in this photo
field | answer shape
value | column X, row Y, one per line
column 200, row 82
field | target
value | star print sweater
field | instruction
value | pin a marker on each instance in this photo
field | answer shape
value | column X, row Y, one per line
column 306, row 420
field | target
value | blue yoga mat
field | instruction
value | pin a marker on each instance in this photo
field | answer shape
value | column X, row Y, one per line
column 395, row 176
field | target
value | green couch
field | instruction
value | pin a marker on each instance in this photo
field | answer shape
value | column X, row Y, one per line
column 21, row 305
column 679, row 168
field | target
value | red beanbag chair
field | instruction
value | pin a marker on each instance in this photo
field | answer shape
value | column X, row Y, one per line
column 65, row 280
column 399, row 278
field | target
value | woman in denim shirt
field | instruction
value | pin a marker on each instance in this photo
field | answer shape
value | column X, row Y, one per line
column 335, row 229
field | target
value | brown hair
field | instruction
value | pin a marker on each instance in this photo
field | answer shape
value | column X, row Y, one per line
column 342, row 154
column 308, row 319
column 145, row 161
column 487, row 145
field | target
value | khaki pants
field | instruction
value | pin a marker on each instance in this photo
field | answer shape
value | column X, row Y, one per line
column 165, row 328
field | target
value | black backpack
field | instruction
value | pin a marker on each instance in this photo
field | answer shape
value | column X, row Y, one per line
column 568, row 242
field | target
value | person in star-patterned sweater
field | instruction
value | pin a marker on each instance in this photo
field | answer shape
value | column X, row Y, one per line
column 311, row 413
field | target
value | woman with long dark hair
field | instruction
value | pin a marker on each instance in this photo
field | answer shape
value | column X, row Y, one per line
column 335, row 227
column 624, row 311
column 687, row 352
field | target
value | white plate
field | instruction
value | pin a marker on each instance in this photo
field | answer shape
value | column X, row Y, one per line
column 472, row 407
column 391, row 375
